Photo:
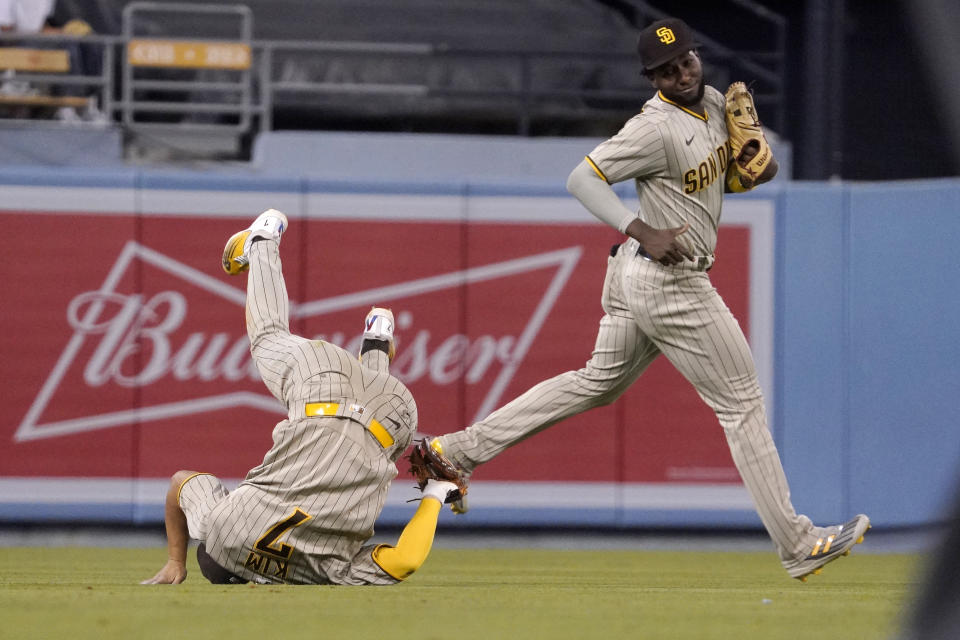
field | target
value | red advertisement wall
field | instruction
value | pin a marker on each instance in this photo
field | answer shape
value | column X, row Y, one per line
column 124, row 352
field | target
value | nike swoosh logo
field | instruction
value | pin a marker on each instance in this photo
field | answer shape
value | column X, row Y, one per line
column 690, row 140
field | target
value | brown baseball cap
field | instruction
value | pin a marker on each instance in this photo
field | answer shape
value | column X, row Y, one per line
column 663, row 40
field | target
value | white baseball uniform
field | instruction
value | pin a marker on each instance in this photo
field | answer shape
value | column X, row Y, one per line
column 305, row 514
column 678, row 159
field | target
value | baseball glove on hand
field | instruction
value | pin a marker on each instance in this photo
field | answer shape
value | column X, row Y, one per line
column 426, row 463
column 751, row 153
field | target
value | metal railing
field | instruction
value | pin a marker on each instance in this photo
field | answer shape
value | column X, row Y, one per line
column 517, row 82
column 231, row 94
column 377, row 79
column 16, row 84
column 261, row 90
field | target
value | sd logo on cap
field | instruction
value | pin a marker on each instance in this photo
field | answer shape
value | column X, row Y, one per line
column 663, row 40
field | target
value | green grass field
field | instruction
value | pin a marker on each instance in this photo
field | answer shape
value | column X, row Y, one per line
column 80, row 593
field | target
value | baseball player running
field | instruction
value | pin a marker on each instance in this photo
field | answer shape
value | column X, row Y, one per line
column 657, row 296
column 305, row 514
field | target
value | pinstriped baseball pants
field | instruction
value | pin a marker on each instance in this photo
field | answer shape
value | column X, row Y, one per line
column 267, row 318
column 651, row 309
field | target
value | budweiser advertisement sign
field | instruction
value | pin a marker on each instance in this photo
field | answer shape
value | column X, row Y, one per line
column 125, row 353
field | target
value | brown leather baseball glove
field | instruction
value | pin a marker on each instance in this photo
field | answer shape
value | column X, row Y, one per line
column 426, row 463
column 751, row 153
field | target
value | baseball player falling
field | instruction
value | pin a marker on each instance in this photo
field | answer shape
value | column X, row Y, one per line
column 305, row 514
column 686, row 147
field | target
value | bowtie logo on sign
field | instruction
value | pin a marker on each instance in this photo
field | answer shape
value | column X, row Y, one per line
column 139, row 342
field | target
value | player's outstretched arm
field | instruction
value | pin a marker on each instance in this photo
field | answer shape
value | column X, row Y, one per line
column 175, row 570
column 416, row 540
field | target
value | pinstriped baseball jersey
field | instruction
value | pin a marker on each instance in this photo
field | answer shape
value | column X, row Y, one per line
column 304, row 515
column 677, row 159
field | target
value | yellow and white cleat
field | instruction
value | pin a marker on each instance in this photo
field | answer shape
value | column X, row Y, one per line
column 269, row 224
column 836, row 542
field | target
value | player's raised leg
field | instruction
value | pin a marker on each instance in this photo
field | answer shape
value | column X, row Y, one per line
column 257, row 248
column 621, row 354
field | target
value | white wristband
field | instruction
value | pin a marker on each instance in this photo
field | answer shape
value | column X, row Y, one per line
column 438, row 489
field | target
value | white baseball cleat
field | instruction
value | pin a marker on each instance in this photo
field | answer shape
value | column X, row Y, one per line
column 269, row 224
column 834, row 542
column 379, row 325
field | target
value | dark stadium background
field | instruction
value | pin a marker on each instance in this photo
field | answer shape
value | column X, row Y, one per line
column 859, row 92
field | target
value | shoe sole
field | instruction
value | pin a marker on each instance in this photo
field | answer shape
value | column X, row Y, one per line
column 232, row 261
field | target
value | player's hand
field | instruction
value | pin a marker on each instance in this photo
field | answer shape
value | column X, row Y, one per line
column 663, row 245
column 174, row 572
